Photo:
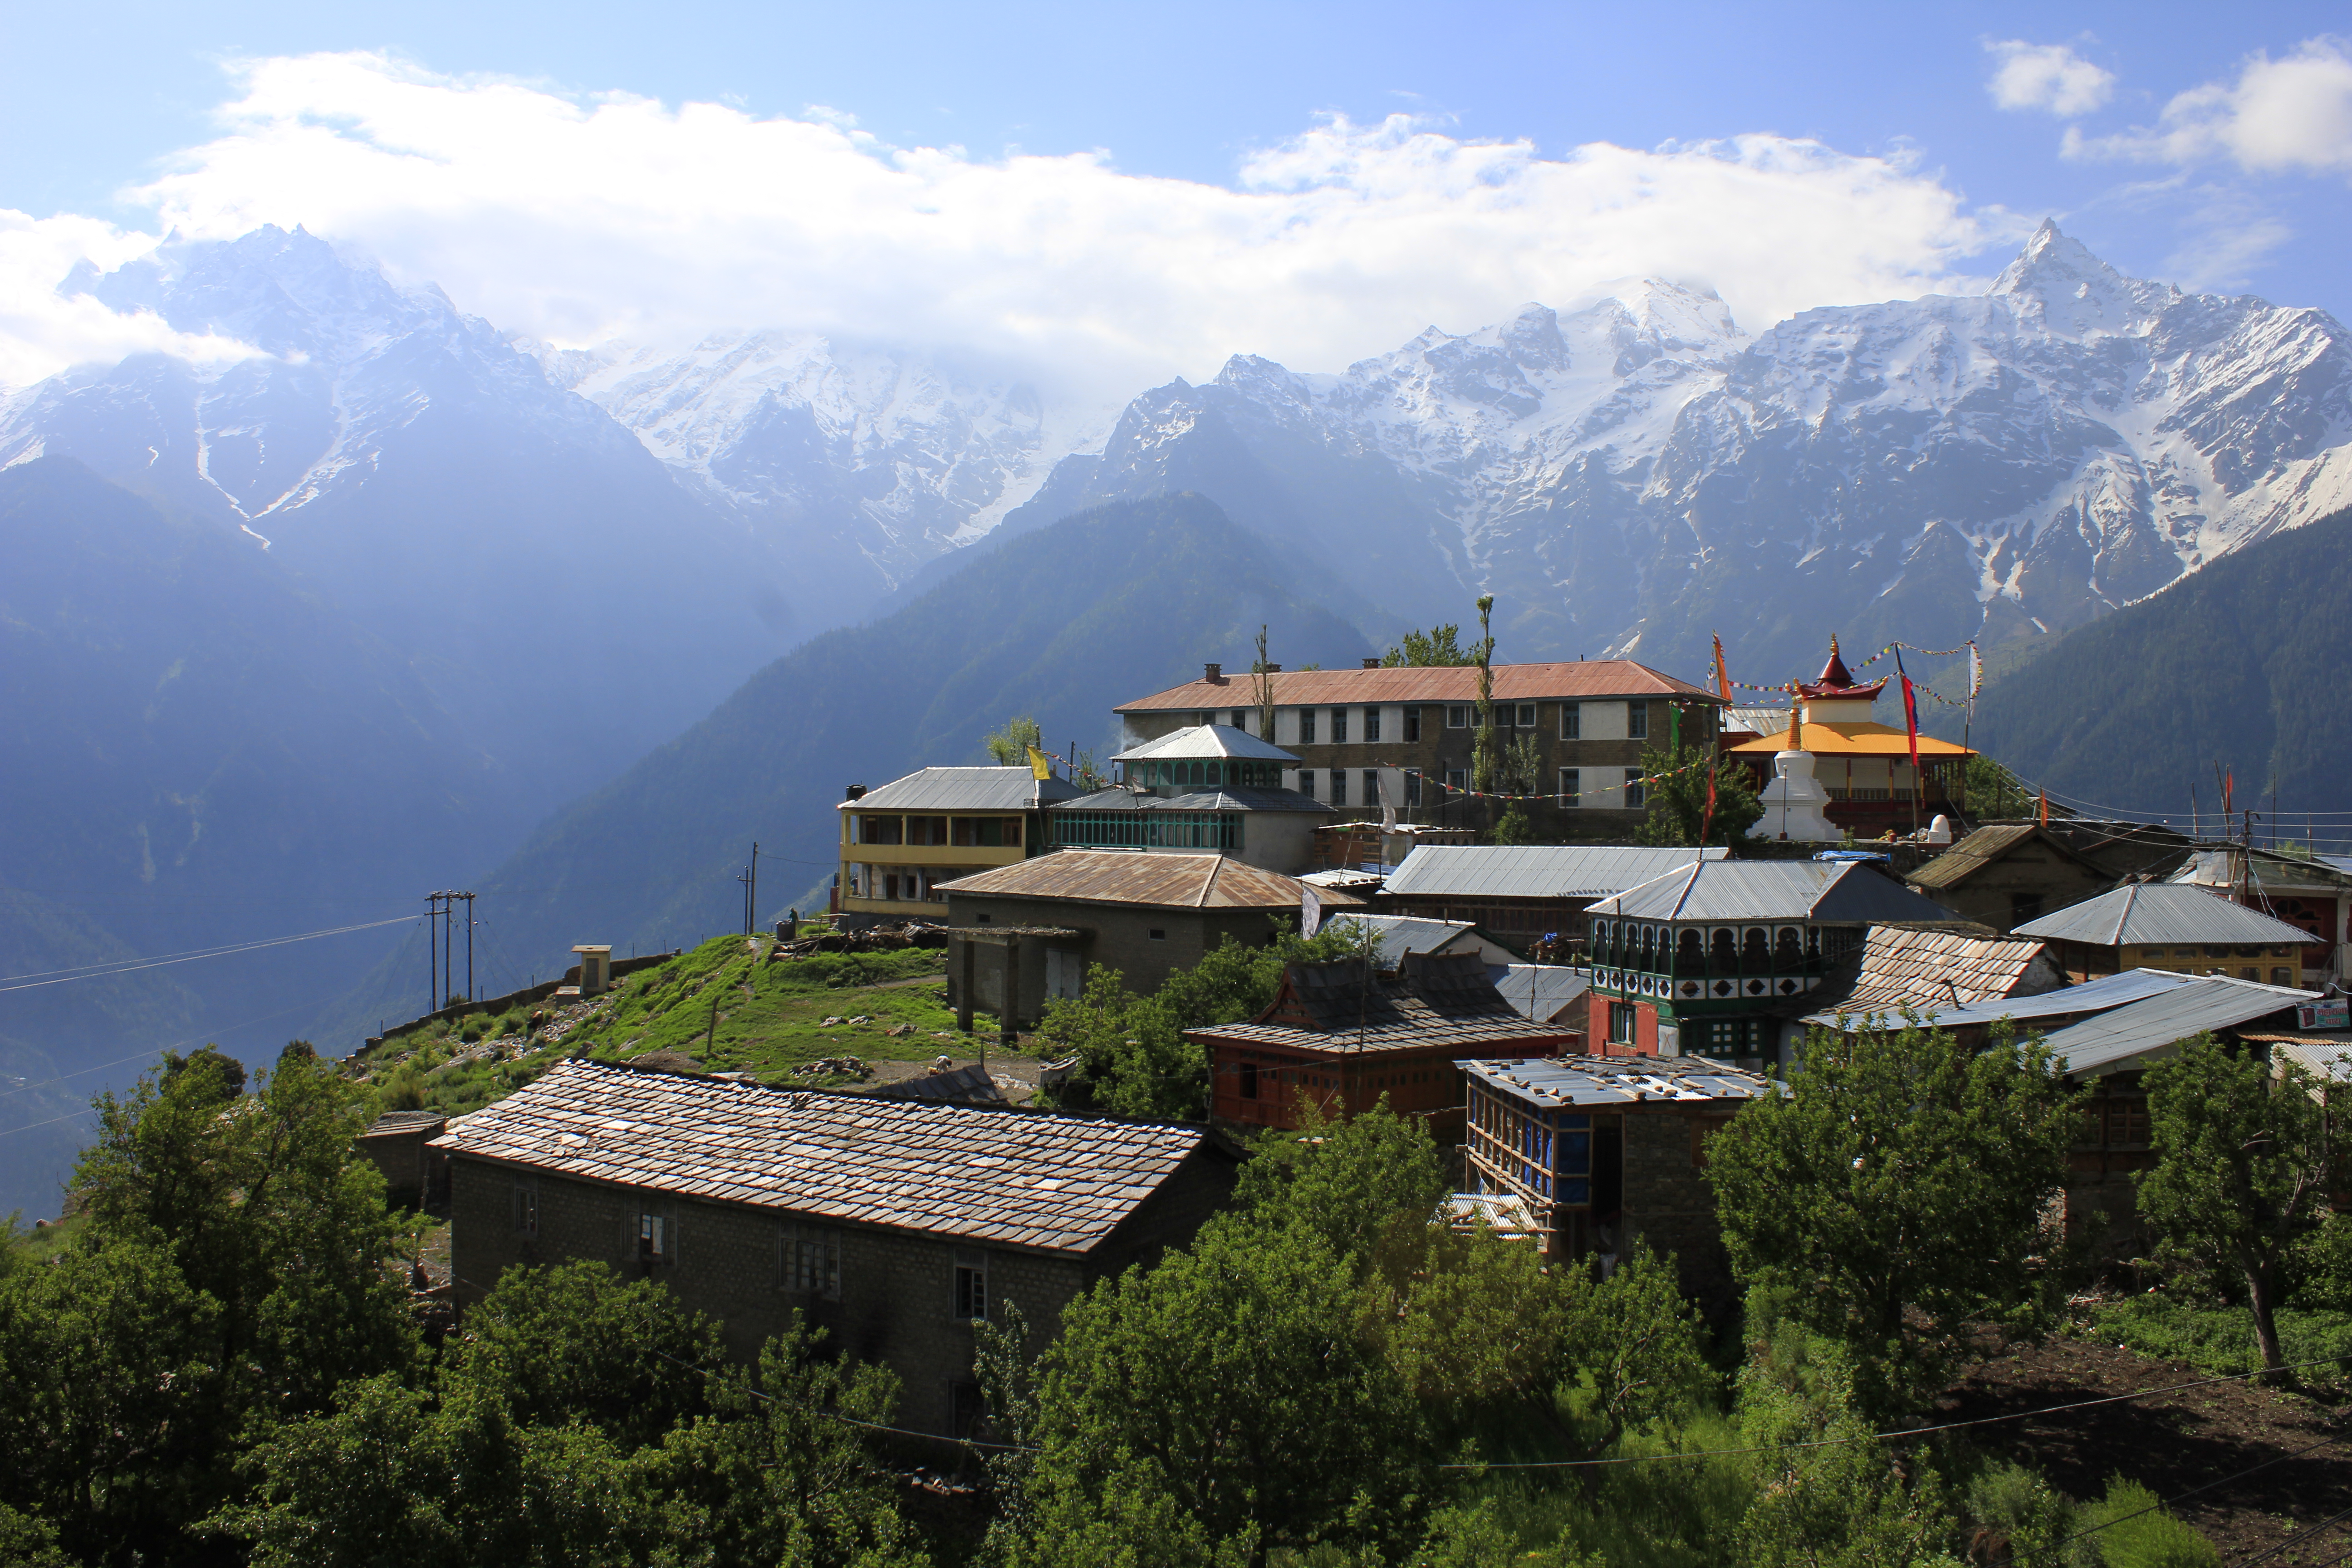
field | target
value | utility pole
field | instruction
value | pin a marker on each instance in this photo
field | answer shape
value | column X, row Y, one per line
column 432, row 952
column 751, row 916
column 469, row 945
column 449, row 974
column 743, row 878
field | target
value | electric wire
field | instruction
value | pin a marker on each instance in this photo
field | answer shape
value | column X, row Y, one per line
column 2209, row 1486
column 21, row 982
column 2322, row 1528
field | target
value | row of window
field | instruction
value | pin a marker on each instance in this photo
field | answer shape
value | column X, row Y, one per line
column 1333, row 786
column 808, row 1257
column 963, row 832
column 1149, row 830
column 1237, row 772
column 1333, row 722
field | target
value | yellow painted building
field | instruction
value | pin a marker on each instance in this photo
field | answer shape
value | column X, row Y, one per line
column 1864, row 764
column 900, row 841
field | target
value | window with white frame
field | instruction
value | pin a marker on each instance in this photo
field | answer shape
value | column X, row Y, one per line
column 1526, row 716
column 1457, row 716
column 1636, row 795
column 1637, row 721
column 1457, row 778
column 1621, row 1016
column 1571, row 721
column 970, row 1303
column 1411, row 724
column 1570, row 786
column 656, row 1238
column 812, row 1260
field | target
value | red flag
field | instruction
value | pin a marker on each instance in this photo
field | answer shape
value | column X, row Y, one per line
column 2045, row 808
column 1722, row 675
column 2228, row 781
column 1707, row 823
column 1910, row 719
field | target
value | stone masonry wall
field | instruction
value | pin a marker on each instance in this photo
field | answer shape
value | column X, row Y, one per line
column 896, row 1298
column 1668, row 1204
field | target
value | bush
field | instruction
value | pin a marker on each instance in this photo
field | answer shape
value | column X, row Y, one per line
column 2133, row 1531
column 2219, row 1339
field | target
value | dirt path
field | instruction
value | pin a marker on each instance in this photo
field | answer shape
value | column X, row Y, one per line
column 2174, row 1442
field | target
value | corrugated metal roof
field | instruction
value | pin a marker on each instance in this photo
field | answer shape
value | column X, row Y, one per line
column 2098, row 996
column 2327, row 1057
column 1981, row 850
column 1198, row 740
column 2140, row 913
column 963, row 789
column 1732, row 891
column 1549, row 992
column 1844, row 738
column 2207, row 1002
column 1401, row 934
column 1052, row 1183
column 2227, row 867
column 1533, row 870
column 1621, row 1080
column 1755, row 721
column 1584, row 679
column 1117, row 797
column 1172, row 881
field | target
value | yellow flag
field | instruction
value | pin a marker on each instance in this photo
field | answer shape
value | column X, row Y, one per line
column 1040, row 765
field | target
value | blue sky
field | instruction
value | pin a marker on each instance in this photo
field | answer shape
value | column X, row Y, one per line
column 2240, row 185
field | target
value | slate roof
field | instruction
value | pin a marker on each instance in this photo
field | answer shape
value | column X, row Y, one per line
column 1597, row 677
column 1621, row 1080
column 1006, row 1177
column 1982, row 848
column 2139, row 913
column 1170, row 880
column 2207, row 1002
column 1838, row 892
column 1443, row 1003
column 1205, row 741
column 968, row 1085
column 963, row 789
column 1534, row 870
column 1921, row 964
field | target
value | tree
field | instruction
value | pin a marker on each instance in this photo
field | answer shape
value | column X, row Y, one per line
column 1992, row 791
column 2241, row 1168
column 1262, row 680
column 1009, row 746
column 1346, row 1182
column 1439, row 646
column 1484, row 753
column 1898, row 1191
column 1677, row 800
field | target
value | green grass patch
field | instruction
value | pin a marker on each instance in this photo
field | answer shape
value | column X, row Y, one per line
column 2220, row 1339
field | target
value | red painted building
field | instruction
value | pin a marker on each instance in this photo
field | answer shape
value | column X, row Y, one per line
column 1342, row 1035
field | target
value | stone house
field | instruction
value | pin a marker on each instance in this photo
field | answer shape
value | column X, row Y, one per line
column 1605, row 1151
column 2171, row 925
column 2008, row 873
column 1031, row 928
column 1402, row 736
column 895, row 1225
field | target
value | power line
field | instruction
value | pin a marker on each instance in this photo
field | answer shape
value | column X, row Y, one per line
column 2322, row 1528
column 29, row 982
column 2209, row 1486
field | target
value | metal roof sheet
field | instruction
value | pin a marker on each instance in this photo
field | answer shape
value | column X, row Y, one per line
column 1206, row 741
column 2098, row 996
column 2325, row 1056
column 1052, row 1182
column 1621, row 1080
column 1168, row 879
column 1840, row 738
column 1733, row 891
column 963, row 789
column 1117, row 797
column 1400, row 934
column 1584, row 679
column 2139, row 913
column 1533, row 870
column 2229, row 866
column 1549, row 992
column 2207, row 1002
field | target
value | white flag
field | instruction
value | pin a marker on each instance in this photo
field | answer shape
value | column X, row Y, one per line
column 1310, row 911
column 1387, row 807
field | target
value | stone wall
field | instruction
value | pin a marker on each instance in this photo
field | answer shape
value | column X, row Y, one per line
column 896, row 1305
column 1116, row 936
column 1667, row 1202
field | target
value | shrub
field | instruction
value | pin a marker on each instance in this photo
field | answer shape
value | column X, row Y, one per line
column 2135, row 1531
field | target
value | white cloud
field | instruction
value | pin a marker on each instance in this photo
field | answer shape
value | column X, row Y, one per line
column 2283, row 116
column 2050, row 77
column 576, row 220
column 44, row 330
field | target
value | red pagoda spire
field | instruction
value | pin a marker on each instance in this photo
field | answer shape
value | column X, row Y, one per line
column 1836, row 682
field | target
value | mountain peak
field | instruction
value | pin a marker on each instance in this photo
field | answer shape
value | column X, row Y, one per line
column 2053, row 259
column 2058, row 279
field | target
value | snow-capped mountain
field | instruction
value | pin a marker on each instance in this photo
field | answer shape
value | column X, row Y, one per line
column 1632, row 475
column 879, row 460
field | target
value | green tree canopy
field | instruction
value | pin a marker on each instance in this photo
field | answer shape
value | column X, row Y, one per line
column 1009, row 747
column 1676, row 797
column 1898, row 1191
column 1439, row 646
column 2241, row 1168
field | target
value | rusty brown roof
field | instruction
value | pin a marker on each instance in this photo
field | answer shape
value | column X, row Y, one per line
column 1595, row 678
column 1131, row 876
column 1985, row 846
column 1058, row 1183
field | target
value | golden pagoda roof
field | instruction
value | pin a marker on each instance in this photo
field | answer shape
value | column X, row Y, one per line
column 1833, row 738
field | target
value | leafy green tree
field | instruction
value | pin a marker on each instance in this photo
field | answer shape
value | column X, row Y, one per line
column 28, row 1541
column 1439, row 646
column 1897, row 1192
column 1009, row 747
column 2241, row 1169
column 1346, row 1182
column 1677, row 800
column 1219, row 1406
column 1486, row 752
column 1992, row 791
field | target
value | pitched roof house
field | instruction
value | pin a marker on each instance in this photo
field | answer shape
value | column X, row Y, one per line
column 896, row 1225
column 2006, row 874
column 2170, row 925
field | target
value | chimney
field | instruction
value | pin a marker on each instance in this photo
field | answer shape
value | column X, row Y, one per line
column 1370, row 663
column 1214, row 674
column 856, row 792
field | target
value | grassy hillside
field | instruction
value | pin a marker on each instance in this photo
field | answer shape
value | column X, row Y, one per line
column 2240, row 663
column 1060, row 625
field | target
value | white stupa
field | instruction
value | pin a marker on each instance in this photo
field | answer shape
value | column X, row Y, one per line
column 1794, row 800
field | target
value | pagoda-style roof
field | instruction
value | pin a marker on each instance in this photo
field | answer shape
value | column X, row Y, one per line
column 1828, row 738
column 1835, row 682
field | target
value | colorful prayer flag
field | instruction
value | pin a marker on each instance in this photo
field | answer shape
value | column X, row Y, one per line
column 1039, row 764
